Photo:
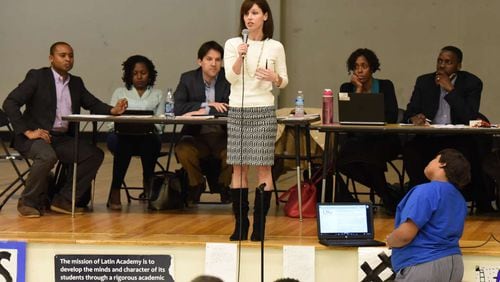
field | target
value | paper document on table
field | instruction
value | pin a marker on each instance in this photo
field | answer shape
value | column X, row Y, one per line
column 305, row 117
column 193, row 117
column 133, row 117
column 88, row 116
column 449, row 126
column 439, row 125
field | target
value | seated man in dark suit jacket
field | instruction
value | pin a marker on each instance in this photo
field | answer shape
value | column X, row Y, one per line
column 48, row 94
column 204, row 91
column 446, row 96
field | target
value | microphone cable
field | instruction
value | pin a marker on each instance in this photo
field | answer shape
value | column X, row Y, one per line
column 490, row 238
column 240, row 227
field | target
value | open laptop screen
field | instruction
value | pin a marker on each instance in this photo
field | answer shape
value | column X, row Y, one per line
column 345, row 221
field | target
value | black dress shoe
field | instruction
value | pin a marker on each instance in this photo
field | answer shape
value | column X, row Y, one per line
column 194, row 193
column 225, row 195
column 114, row 200
column 61, row 205
column 27, row 211
column 486, row 210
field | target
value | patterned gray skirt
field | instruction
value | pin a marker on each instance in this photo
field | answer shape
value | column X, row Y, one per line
column 251, row 135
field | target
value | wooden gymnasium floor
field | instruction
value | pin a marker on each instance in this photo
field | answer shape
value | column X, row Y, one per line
column 135, row 225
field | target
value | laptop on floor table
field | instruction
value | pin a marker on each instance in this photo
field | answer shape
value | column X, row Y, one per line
column 346, row 224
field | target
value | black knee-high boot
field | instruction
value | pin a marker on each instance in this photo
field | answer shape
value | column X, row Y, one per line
column 241, row 215
column 259, row 215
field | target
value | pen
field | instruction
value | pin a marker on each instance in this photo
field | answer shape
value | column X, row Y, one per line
column 428, row 120
column 266, row 64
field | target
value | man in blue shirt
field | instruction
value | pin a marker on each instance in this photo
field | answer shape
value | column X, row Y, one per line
column 448, row 95
column 430, row 221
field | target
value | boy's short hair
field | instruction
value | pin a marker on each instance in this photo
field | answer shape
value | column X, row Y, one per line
column 457, row 167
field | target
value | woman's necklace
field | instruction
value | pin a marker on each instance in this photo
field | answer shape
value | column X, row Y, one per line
column 258, row 61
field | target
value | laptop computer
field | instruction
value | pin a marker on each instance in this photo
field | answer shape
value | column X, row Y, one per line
column 135, row 128
column 361, row 108
column 346, row 224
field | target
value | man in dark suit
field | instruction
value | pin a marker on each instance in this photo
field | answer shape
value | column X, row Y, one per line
column 48, row 94
column 446, row 96
column 204, row 91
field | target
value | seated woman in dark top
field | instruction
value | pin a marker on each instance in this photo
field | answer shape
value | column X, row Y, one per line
column 363, row 157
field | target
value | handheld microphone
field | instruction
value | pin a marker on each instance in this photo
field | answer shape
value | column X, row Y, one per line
column 244, row 35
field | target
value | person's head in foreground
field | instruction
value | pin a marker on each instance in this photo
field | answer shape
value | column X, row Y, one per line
column 207, row 278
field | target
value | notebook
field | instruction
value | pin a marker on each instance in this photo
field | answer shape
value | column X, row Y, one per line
column 361, row 108
column 346, row 224
column 135, row 128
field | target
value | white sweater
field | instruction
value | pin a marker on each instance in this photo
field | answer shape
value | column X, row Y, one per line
column 257, row 92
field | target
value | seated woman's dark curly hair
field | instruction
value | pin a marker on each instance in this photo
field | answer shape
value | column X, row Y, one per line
column 368, row 54
column 128, row 70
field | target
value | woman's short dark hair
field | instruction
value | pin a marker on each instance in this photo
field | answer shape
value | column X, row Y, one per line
column 207, row 46
column 368, row 54
column 457, row 168
column 268, row 28
column 128, row 70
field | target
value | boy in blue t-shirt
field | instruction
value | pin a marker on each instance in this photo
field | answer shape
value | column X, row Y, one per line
column 429, row 223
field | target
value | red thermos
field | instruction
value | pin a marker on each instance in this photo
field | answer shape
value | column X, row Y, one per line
column 327, row 106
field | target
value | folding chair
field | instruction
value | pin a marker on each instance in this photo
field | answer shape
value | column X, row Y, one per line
column 142, row 129
column 12, row 157
column 400, row 172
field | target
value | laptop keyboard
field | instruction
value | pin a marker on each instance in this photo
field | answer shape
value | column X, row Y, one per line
column 352, row 243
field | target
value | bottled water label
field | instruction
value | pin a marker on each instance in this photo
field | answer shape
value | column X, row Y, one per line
column 169, row 109
column 299, row 105
column 169, row 104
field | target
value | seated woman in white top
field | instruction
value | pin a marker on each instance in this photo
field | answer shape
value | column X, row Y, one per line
column 139, row 76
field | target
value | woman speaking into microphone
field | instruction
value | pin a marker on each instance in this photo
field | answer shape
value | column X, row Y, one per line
column 255, row 63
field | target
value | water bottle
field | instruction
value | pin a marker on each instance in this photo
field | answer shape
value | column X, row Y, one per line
column 327, row 106
column 169, row 103
column 299, row 105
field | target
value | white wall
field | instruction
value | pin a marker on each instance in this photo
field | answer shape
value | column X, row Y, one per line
column 318, row 36
column 406, row 35
column 104, row 33
column 332, row 264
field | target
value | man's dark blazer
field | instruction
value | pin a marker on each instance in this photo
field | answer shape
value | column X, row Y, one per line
column 190, row 93
column 390, row 101
column 38, row 94
column 464, row 100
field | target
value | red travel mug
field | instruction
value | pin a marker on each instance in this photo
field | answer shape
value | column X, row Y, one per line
column 327, row 106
